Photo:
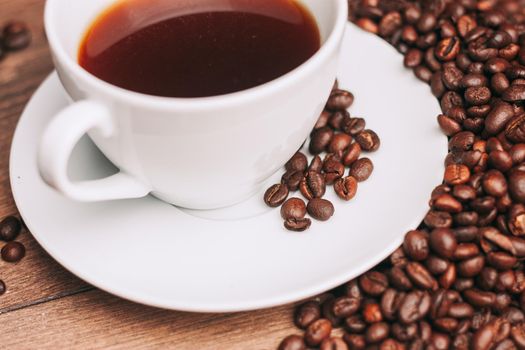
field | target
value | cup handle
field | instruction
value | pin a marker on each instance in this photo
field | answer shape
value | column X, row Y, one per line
column 57, row 144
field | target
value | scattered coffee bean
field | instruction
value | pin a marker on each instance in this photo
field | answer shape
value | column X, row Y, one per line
column 297, row 225
column 13, row 252
column 362, row 169
column 293, row 208
column 292, row 342
column 3, row 288
column 10, row 228
column 274, row 196
column 320, row 209
column 16, row 36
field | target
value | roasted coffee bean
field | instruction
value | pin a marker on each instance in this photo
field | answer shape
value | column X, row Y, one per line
column 452, row 78
column 323, row 120
column 334, row 170
column 517, row 153
column 339, row 143
column 373, row 283
column 320, row 140
column 413, row 58
column 273, row 197
column 3, row 287
column 355, row 324
column 377, row 332
column 473, row 80
column 352, row 154
column 297, row 163
column 353, row 126
column 460, row 310
column 426, row 22
column 462, row 141
column 399, row 279
column 340, row 100
column 293, row 208
column 471, row 267
column 438, row 219
column 306, row 314
column 494, row 183
column 16, row 36
column 436, row 265
column 316, row 165
column 367, row 25
column 466, row 218
column 465, row 24
column 355, row 341
column 449, row 126
column 320, row 209
column 479, row 298
column 334, row 344
column 431, row 61
column 10, row 228
column 390, row 23
column 298, row 225
column 420, row 276
column 292, row 179
column 515, row 129
column 500, row 160
column 346, row 188
column 498, row 118
column 13, row 252
column 292, row 342
column 516, row 185
column 416, row 245
column 372, row 313
column 443, row 242
column 449, row 100
column 478, row 95
column 496, row 65
column 499, row 83
column 318, row 331
column 313, row 185
column 490, row 334
column 368, row 140
column 514, row 93
column 346, row 306
column 404, row 333
column 414, row 307
column 465, row 251
column 361, row 169
column 423, row 73
column 448, row 203
column 448, row 48
column 390, row 301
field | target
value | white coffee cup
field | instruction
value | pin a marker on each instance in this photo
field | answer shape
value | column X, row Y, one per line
column 201, row 153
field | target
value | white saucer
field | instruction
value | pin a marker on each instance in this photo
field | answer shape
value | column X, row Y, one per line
column 153, row 253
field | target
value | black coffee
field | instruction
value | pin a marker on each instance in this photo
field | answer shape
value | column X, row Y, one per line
column 198, row 48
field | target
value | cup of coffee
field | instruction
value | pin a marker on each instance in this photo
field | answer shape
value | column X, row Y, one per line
column 197, row 102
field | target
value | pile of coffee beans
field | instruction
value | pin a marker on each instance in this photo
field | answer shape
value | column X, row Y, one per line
column 336, row 144
column 12, row 251
column 458, row 280
column 14, row 36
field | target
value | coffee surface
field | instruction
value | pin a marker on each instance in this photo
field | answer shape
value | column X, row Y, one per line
column 198, row 48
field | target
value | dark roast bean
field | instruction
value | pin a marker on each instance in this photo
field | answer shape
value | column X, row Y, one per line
column 404, row 333
column 471, row 267
column 496, row 65
column 516, row 184
column 274, row 196
column 465, row 24
column 413, row 58
column 361, row 169
column 298, row 225
column 292, row 179
column 517, row 153
column 16, row 36
column 436, row 265
column 500, row 160
column 3, row 287
column 313, row 185
column 334, row 170
column 416, row 245
column 494, row 183
column 333, row 344
column 340, row 100
column 460, row 310
column 490, row 334
column 399, row 279
column 346, row 188
column 462, row 141
column 446, row 202
column 477, row 95
column 316, row 165
column 432, row 62
column 13, row 252
column 318, row 331
column 438, row 219
column 423, row 73
column 448, row 48
column 499, row 83
column 514, row 93
column 339, row 143
column 292, row 342
column 443, row 242
column 352, row 154
column 368, row 140
column 449, row 126
column 449, row 100
column 373, row 283
column 353, row 126
column 466, row 251
column 337, row 119
column 473, row 80
column 297, row 163
column 346, row 306
column 355, row 341
column 479, row 298
column 372, row 313
column 10, row 228
column 306, row 314
column 293, row 208
column 355, row 324
column 420, row 276
column 323, row 120
column 377, row 332
column 414, row 307
column 452, row 78
column 320, row 209
column 498, row 118
column 390, row 302
column 320, row 140
column 426, row 22
column 390, row 23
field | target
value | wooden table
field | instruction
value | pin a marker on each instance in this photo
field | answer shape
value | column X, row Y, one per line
column 45, row 306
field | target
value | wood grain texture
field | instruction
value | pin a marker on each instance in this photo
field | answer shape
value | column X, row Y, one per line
column 36, row 278
column 45, row 306
column 96, row 320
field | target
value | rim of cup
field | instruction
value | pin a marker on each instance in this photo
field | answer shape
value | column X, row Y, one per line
column 213, row 102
